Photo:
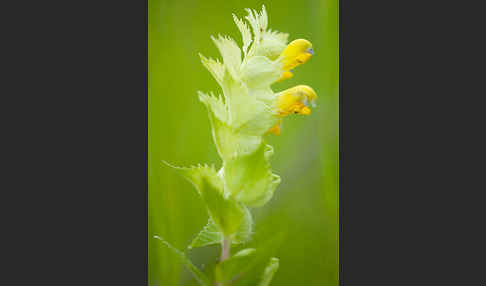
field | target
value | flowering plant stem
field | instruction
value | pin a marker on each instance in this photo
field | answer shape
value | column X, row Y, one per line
column 225, row 248
column 248, row 111
column 225, row 252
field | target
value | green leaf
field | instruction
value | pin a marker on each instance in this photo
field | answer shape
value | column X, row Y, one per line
column 245, row 33
column 272, row 45
column 247, row 267
column 211, row 234
column 260, row 123
column 214, row 105
column 269, row 271
column 246, row 229
column 228, row 141
column 225, row 212
column 230, row 52
column 249, row 105
column 259, row 72
column 253, row 263
column 235, row 266
column 249, row 178
column 258, row 22
column 214, row 67
column 198, row 275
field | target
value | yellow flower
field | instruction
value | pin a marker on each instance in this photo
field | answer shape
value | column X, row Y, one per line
column 294, row 100
column 297, row 52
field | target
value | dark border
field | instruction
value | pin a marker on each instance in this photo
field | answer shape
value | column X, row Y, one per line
column 340, row 258
column 79, row 149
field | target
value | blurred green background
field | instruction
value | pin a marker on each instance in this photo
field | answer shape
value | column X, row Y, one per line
column 304, row 210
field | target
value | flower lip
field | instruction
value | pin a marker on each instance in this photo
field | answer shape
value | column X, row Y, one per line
column 305, row 110
column 296, row 100
column 310, row 51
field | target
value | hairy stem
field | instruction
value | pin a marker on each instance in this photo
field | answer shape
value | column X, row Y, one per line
column 225, row 249
column 225, row 252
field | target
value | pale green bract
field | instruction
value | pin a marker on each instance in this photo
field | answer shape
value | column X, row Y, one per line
column 239, row 120
column 245, row 112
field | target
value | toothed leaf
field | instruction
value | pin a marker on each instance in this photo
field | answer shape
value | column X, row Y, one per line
column 245, row 231
column 231, row 269
column 215, row 105
column 245, row 33
column 249, row 178
column 269, row 272
column 260, row 72
column 214, row 67
column 226, row 213
column 248, row 267
column 198, row 275
column 272, row 45
column 231, row 54
column 211, row 234
column 229, row 142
